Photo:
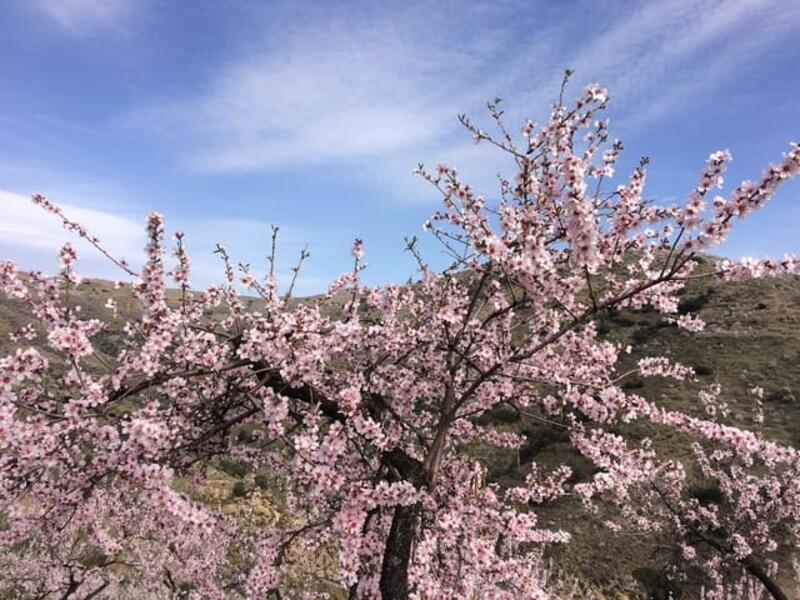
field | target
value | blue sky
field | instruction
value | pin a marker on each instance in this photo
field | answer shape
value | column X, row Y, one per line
column 229, row 116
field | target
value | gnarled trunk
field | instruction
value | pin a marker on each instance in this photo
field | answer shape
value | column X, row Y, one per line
column 400, row 541
column 397, row 555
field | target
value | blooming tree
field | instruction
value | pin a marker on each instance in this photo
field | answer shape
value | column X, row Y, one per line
column 364, row 417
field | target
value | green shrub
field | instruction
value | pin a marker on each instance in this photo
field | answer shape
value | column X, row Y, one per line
column 644, row 335
column 499, row 414
column 657, row 584
column 108, row 343
column 624, row 322
column 633, row 384
column 233, row 468
column 539, row 439
column 707, row 494
column 703, row 370
column 583, row 469
column 239, row 489
column 691, row 305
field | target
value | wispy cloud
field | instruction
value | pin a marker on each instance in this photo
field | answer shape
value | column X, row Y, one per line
column 81, row 15
column 75, row 188
column 318, row 93
column 669, row 53
column 382, row 90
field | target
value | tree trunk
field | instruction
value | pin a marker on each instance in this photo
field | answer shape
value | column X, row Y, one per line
column 768, row 582
column 755, row 569
column 400, row 542
column 397, row 555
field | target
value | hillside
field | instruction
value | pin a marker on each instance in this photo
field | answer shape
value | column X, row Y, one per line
column 752, row 338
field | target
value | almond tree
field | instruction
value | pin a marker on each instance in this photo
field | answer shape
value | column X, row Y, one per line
column 363, row 408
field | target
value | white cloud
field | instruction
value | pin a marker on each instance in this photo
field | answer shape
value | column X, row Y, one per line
column 347, row 90
column 381, row 90
column 306, row 106
column 80, row 15
column 88, row 191
column 668, row 54
column 32, row 237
